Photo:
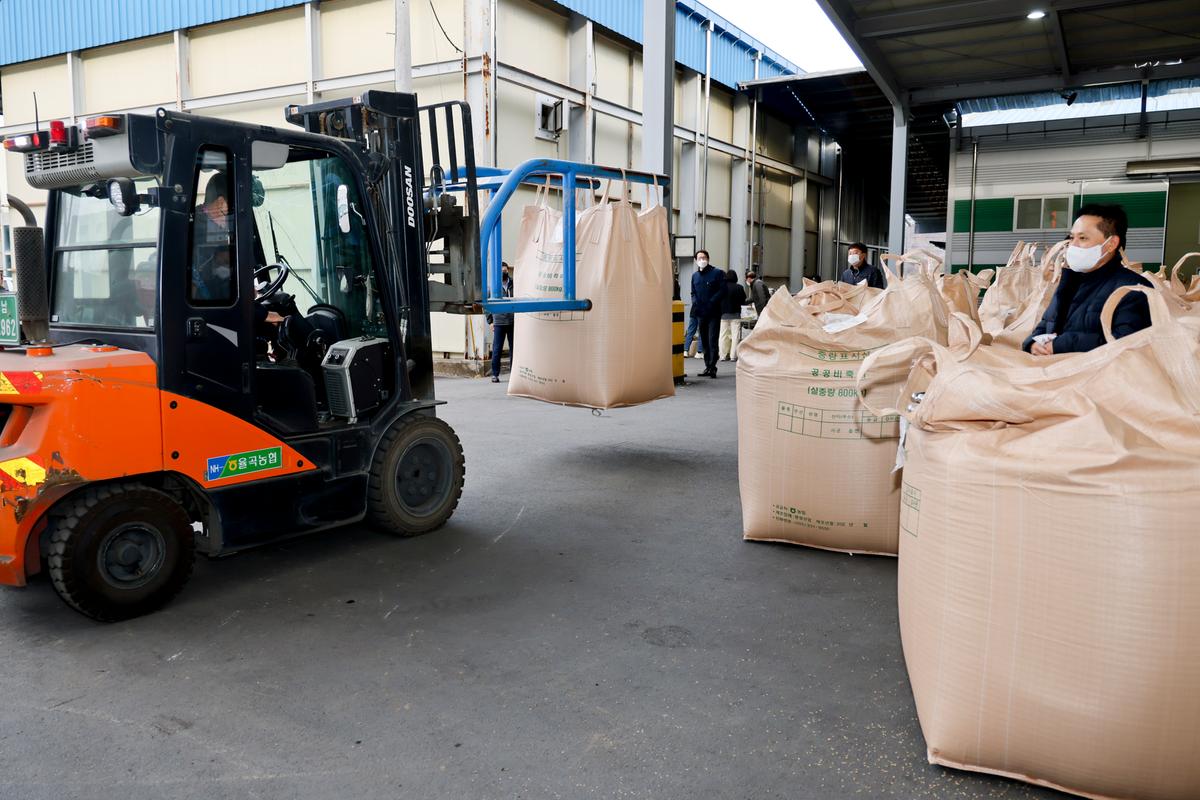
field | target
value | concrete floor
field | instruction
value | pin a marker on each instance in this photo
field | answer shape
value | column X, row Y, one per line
column 590, row 624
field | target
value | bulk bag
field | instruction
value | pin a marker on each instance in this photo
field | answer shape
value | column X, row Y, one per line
column 1039, row 285
column 1049, row 575
column 618, row 353
column 1012, row 284
column 961, row 290
column 815, row 466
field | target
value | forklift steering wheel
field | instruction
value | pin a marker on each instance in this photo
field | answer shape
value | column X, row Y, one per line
column 262, row 275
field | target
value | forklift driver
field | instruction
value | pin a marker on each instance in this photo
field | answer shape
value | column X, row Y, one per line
column 212, row 272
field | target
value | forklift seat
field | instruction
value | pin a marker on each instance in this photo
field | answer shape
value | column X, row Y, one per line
column 286, row 397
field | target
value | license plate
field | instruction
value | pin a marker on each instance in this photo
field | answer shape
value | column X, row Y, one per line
column 10, row 326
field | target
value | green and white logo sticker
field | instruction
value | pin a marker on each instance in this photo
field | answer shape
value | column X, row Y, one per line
column 222, row 467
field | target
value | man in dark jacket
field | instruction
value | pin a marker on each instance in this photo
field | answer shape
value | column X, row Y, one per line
column 502, row 324
column 859, row 270
column 708, row 297
column 1071, row 323
column 759, row 294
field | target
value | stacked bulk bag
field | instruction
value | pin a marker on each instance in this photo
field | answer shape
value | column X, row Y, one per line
column 1049, row 575
column 619, row 352
column 1039, row 286
column 815, row 466
column 1013, row 283
column 961, row 290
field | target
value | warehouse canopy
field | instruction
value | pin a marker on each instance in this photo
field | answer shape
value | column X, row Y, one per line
column 850, row 107
column 935, row 52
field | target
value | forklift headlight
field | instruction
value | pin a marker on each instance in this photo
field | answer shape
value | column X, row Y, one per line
column 123, row 196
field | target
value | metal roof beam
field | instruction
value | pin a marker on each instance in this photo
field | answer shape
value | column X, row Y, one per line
column 844, row 19
column 965, row 14
column 1050, row 83
column 1058, row 44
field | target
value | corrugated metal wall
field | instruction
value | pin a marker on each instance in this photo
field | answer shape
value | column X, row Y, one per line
column 32, row 29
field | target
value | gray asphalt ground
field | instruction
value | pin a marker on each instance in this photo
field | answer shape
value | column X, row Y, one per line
column 590, row 625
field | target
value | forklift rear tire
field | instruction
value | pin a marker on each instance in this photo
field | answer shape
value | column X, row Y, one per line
column 417, row 476
column 119, row 551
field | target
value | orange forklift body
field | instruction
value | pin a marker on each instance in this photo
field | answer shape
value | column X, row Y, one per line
column 87, row 414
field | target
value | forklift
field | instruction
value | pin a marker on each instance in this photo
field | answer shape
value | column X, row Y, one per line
column 221, row 338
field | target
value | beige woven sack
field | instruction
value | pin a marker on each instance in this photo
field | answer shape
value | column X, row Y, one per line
column 1012, row 284
column 1049, row 577
column 619, row 352
column 815, row 468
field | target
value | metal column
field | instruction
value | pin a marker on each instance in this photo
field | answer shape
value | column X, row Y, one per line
column 899, row 176
column 403, row 60
column 796, row 255
column 658, row 86
column 581, row 49
column 479, row 71
column 707, row 119
column 739, row 187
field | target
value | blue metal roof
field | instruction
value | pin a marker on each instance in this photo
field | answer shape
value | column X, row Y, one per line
column 733, row 49
column 32, row 29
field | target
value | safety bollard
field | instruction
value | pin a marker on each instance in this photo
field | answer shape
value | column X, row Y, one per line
column 677, row 326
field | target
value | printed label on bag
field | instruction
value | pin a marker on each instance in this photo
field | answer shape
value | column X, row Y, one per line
column 527, row 374
column 910, row 509
column 835, row 355
column 824, row 423
column 800, row 518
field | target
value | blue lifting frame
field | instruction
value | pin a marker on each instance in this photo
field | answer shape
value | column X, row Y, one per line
column 566, row 175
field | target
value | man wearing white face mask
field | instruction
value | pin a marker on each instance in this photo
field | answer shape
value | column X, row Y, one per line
column 860, row 270
column 708, row 297
column 1071, row 323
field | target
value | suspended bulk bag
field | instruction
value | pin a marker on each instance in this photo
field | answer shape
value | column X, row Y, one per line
column 1049, row 577
column 815, row 467
column 619, row 352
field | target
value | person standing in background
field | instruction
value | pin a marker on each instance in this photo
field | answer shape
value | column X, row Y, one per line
column 502, row 324
column 708, row 297
column 860, row 270
column 759, row 294
column 731, row 316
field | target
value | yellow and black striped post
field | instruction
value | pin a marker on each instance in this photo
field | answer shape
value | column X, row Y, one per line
column 677, row 325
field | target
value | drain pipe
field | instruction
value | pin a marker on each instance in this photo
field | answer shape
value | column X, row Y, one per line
column 971, row 230
column 837, row 219
column 707, row 117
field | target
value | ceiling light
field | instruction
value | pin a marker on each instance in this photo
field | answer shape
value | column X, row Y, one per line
column 1035, row 14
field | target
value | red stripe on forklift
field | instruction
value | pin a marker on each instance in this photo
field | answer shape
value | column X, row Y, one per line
column 24, row 382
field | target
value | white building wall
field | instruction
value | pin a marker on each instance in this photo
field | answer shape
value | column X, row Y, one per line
column 248, row 69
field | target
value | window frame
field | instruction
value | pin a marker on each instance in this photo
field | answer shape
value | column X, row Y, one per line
column 234, row 204
column 1041, row 198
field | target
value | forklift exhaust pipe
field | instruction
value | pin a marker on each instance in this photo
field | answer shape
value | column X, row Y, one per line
column 33, row 295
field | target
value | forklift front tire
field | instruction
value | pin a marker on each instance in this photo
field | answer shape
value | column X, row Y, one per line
column 417, row 476
column 119, row 551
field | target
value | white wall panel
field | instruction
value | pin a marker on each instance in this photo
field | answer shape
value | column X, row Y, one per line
column 357, row 36
column 129, row 75
column 48, row 77
column 249, row 53
column 534, row 39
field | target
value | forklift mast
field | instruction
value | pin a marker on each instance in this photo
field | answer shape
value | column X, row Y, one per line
column 387, row 127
